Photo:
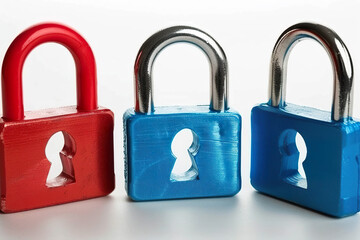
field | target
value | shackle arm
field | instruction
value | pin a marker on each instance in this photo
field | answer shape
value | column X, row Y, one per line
column 153, row 45
column 11, row 78
column 340, row 60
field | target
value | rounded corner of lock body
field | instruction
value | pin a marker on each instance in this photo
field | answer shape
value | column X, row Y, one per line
column 331, row 165
column 3, row 209
column 108, row 112
column 21, row 192
column 149, row 159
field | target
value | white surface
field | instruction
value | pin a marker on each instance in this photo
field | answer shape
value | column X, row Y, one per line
column 247, row 31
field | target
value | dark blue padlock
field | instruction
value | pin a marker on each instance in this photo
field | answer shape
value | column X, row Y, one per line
column 149, row 131
column 331, row 166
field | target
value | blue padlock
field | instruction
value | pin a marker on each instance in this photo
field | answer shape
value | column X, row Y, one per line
column 331, row 166
column 149, row 131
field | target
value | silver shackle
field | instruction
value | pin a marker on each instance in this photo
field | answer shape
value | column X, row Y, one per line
column 153, row 45
column 340, row 59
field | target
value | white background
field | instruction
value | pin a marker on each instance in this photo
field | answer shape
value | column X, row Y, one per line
column 247, row 31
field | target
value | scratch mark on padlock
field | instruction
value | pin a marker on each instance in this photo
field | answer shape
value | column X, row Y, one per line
column 149, row 168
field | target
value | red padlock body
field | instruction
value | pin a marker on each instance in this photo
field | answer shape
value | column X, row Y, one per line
column 24, row 166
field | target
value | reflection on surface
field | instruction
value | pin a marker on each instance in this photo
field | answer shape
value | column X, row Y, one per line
column 283, row 220
column 118, row 216
column 80, row 218
column 249, row 214
column 193, row 216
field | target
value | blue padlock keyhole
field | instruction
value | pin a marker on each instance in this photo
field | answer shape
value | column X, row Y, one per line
column 293, row 150
column 184, row 148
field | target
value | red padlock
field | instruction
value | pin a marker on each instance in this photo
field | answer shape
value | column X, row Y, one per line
column 88, row 154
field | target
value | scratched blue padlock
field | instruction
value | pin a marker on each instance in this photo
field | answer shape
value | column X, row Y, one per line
column 331, row 165
column 149, row 131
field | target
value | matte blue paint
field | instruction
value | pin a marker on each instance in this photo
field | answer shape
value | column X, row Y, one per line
column 149, row 159
column 331, row 165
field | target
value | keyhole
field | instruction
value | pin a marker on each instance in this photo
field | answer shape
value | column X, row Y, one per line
column 294, row 151
column 184, row 148
column 60, row 151
column 301, row 146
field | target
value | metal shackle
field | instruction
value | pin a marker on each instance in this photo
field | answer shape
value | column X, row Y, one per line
column 153, row 45
column 12, row 93
column 340, row 60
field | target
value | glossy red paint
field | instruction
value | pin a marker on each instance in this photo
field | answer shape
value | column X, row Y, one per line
column 13, row 108
column 87, row 156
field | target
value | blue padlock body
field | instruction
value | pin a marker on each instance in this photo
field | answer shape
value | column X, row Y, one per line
column 149, row 159
column 331, row 164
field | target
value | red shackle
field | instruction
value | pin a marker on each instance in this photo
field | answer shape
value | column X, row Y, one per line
column 12, row 94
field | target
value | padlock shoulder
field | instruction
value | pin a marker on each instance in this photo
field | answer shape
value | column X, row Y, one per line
column 167, row 116
column 178, row 110
column 347, row 131
column 67, row 111
column 304, row 113
column 300, row 112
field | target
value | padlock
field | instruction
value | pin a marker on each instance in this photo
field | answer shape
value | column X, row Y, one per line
column 87, row 156
column 149, row 131
column 331, row 166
